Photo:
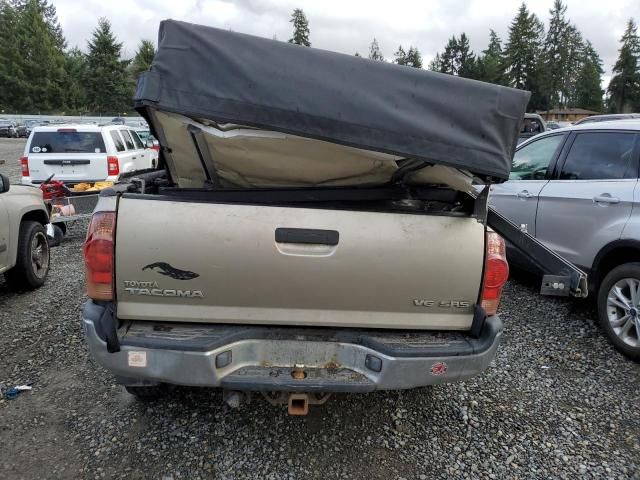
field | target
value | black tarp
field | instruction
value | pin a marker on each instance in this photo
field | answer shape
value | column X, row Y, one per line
column 231, row 77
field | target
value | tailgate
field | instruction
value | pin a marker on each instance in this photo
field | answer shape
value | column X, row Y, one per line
column 249, row 264
column 68, row 167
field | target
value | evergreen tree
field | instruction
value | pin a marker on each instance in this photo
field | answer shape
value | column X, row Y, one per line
column 563, row 55
column 465, row 60
column 413, row 58
column 400, row 56
column 12, row 79
column 457, row 58
column 300, row 28
column 624, row 87
column 143, row 58
column 109, row 89
column 76, row 75
column 50, row 15
column 374, row 51
column 523, row 57
column 36, row 62
column 490, row 65
column 588, row 90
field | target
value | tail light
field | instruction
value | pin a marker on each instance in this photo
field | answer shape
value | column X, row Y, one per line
column 113, row 167
column 98, row 256
column 496, row 273
column 156, row 147
column 24, row 163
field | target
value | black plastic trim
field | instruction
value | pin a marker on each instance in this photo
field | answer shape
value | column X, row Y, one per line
column 307, row 236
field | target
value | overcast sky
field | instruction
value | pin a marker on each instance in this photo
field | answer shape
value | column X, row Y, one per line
column 348, row 25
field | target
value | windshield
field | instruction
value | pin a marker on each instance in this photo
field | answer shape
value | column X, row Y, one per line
column 67, row 142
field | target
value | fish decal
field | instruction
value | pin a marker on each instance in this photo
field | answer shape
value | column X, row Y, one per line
column 164, row 268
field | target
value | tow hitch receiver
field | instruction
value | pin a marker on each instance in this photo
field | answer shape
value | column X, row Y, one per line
column 297, row 402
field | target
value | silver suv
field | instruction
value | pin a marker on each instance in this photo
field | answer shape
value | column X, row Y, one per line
column 576, row 190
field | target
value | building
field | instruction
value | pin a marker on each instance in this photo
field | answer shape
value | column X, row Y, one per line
column 566, row 114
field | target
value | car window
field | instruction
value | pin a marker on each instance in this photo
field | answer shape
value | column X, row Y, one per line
column 117, row 140
column 599, row 156
column 67, row 141
column 127, row 139
column 136, row 139
column 532, row 161
column 531, row 126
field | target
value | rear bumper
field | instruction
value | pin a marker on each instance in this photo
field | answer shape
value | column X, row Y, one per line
column 263, row 358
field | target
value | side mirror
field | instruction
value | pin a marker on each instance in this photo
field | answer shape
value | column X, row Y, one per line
column 4, row 183
column 148, row 143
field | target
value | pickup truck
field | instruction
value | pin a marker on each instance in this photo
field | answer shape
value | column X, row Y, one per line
column 24, row 245
column 310, row 230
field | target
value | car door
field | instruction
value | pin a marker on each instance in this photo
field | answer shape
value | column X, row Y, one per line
column 517, row 199
column 139, row 156
column 144, row 154
column 130, row 153
column 588, row 204
column 4, row 232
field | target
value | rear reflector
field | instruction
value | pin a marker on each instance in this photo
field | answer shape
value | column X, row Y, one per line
column 113, row 167
column 24, row 163
column 98, row 256
column 496, row 273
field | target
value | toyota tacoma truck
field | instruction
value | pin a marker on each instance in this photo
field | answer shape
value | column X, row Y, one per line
column 314, row 226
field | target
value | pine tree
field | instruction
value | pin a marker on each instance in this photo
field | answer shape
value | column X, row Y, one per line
column 400, row 56
column 523, row 57
column 624, row 87
column 374, row 51
column 50, row 15
column 457, row 58
column 413, row 58
column 109, row 89
column 300, row 28
column 490, row 65
column 143, row 58
column 76, row 75
column 12, row 79
column 588, row 90
column 465, row 60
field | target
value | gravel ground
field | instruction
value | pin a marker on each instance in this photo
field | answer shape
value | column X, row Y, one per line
column 558, row 402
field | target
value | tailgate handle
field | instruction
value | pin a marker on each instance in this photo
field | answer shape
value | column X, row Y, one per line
column 67, row 162
column 307, row 236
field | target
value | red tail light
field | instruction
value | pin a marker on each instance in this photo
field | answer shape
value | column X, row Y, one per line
column 156, row 147
column 113, row 166
column 24, row 163
column 496, row 273
column 98, row 256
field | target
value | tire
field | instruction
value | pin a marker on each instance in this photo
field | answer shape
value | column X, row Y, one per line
column 147, row 393
column 32, row 262
column 615, row 292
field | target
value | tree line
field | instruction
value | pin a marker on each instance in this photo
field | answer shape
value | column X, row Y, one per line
column 40, row 73
column 558, row 65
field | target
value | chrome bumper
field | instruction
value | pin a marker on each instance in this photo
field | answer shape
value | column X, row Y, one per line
column 257, row 359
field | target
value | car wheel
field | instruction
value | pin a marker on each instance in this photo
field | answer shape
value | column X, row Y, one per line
column 619, row 308
column 32, row 262
column 147, row 393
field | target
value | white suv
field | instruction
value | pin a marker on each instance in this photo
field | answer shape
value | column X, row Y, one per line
column 84, row 153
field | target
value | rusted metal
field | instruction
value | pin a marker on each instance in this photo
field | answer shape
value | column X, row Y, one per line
column 298, row 404
column 298, row 372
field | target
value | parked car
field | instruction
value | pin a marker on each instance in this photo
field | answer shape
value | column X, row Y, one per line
column 84, row 153
column 8, row 128
column 576, row 190
column 118, row 121
column 31, row 124
column 149, row 140
column 21, row 130
column 553, row 125
column 532, row 124
column 24, row 246
column 607, row 118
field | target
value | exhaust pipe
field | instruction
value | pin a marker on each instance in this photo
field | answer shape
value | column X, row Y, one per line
column 298, row 404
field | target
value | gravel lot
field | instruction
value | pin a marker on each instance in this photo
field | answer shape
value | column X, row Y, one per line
column 558, row 402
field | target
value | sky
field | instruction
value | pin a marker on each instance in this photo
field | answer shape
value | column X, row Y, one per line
column 348, row 26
